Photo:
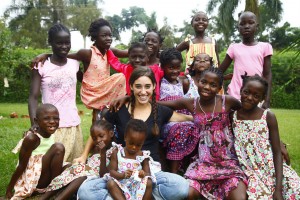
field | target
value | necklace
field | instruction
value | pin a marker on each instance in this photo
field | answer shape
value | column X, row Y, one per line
column 213, row 113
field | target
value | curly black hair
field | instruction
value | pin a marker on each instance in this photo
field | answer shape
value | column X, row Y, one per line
column 257, row 78
column 55, row 29
column 161, row 38
column 136, row 125
column 216, row 71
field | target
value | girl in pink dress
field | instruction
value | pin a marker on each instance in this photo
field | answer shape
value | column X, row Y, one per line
column 215, row 174
column 249, row 56
column 40, row 159
column 257, row 145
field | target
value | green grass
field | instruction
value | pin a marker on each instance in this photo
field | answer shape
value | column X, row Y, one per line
column 11, row 132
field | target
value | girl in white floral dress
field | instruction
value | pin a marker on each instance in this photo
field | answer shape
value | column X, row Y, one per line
column 130, row 176
column 258, row 148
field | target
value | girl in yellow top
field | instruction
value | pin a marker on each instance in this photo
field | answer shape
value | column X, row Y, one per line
column 201, row 43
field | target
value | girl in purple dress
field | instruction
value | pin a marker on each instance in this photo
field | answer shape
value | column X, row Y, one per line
column 215, row 174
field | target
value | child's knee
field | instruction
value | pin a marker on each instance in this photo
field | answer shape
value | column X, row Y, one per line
column 59, row 148
column 111, row 184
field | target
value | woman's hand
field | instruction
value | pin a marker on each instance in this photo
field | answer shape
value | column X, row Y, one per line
column 39, row 59
column 285, row 153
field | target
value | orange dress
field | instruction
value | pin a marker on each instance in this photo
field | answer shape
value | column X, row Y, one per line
column 98, row 87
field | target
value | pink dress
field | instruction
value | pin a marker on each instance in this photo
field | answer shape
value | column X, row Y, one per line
column 99, row 88
column 216, row 171
column 255, row 155
column 248, row 59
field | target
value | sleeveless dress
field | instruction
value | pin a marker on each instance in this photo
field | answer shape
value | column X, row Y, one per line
column 255, row 155
column 90, row 169
column 133, row 187
column 99, row 88
column 179, row 138
column 216, row 170
column 28, row 181
column 194, row 49
column 193, row 89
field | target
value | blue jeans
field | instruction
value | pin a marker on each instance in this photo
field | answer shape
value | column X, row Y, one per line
column 169, row 186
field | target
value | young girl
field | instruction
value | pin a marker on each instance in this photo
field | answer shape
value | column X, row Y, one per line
column 129, row 167
column 200, row 43
column 56, row 80
column 257, row 146
column 216, row 173
column 201, row 62
column 179, row 138
column 98, row 86
column 69, row 181
column 249, row 56
column 40, row 159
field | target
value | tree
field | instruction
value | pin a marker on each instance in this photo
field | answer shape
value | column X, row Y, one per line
column 268, row 12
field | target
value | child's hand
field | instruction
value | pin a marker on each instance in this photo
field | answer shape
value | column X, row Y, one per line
column 141, row 174
column 277, row 195
column 101, row 147
column 81, row 159
column 128, row 173
column 9, row 193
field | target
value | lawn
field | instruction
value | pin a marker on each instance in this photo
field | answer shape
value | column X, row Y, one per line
column 11, row 132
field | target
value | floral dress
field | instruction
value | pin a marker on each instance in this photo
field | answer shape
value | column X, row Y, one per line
column 216, row 170
column 133, row 187
column 28, row 181
column 179, row 138
column 90, row 169
column 255, row 155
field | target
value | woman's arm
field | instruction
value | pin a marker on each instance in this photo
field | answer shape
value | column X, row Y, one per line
column 34, row 94
column 267, row 74
column 225, row 64
column 30, row 142
column 217, row 52
column 88, row 146
column 178, row 104
column 113, row 166
column 277, row 158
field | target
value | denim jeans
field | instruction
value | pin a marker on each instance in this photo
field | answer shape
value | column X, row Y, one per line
column 169, row 186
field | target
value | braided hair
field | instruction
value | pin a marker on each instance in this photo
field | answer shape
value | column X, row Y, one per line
column 257, row 78
column 55, row 29
column 161, row 38
column 216, row 71
column 167, row 55
column 193, row 17
column 138, row 45
column 136, row 74
column 95, row 26
column 191, row 68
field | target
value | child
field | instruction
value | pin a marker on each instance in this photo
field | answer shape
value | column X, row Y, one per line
column 200, row 43
column 40, row 159
column 56, row 80
column 129, row 167
column 216, row 173
column 179, row 138
column 201, row 62
column 257, row 146
column 72, row 177
column 249, row 56
column 138, row 56
column 98, row 86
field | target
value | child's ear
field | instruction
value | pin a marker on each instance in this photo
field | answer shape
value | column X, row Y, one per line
column 111, row 134
column 154, row 86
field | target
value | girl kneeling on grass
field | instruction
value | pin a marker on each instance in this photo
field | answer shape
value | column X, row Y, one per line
column 40, row 159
